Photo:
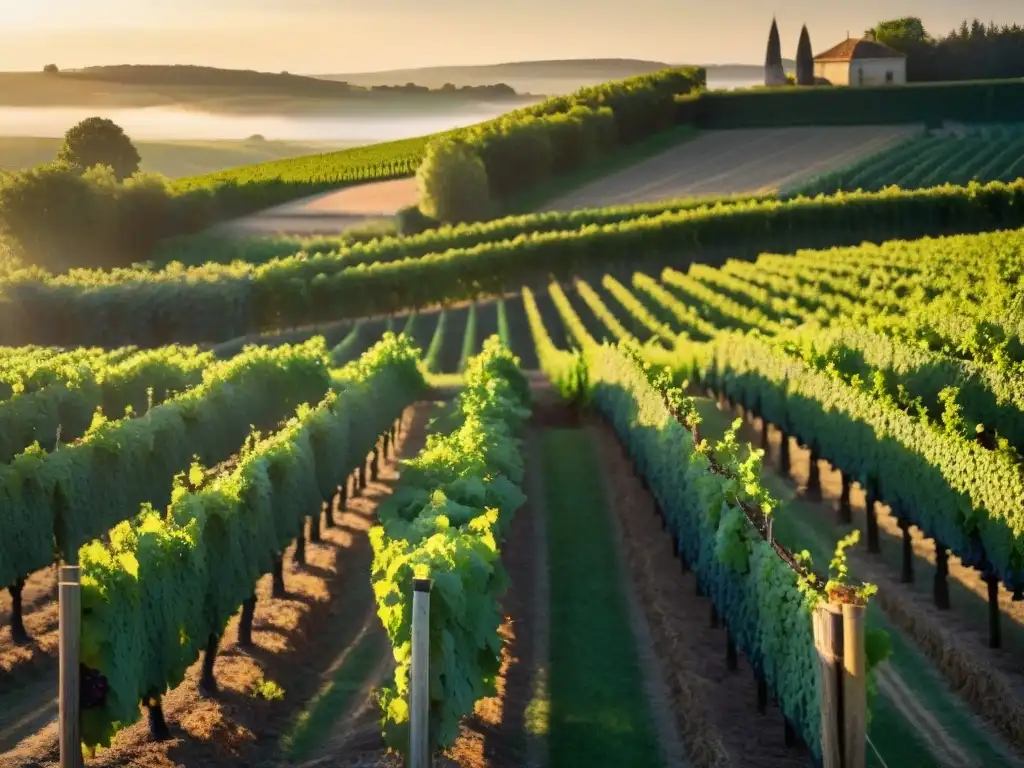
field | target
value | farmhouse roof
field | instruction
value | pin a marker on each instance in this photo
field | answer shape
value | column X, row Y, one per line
column 859, row 48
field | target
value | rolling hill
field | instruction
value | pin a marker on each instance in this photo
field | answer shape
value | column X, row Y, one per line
column 223, row 90
column 541, row 77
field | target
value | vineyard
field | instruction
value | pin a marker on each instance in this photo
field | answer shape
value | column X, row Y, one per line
column 220, row 302
column 883, row 379
column 327, row 171
column 711, row 482
column 983, row 154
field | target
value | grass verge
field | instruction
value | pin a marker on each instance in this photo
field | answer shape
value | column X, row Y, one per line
column 599, row 714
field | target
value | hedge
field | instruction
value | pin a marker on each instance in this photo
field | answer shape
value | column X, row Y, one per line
column 223, row 303
column 983, row 101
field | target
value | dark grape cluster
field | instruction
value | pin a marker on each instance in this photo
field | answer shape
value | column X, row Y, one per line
column 93, row 688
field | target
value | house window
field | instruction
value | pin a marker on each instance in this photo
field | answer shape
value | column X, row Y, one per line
column 888, row 77
column 860, row 75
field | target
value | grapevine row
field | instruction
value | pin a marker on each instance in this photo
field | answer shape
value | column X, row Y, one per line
column 224, row 302
column 54, row 502
column 163, row 586
column 26, row 369
column 447, row 522
column 994, row 153
column 62, row 411
column 964, row 496
column 720, row 521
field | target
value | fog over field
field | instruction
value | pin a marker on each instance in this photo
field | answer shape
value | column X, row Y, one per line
column 165, row 123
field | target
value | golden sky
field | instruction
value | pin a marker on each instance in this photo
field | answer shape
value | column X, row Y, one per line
column 325, row 36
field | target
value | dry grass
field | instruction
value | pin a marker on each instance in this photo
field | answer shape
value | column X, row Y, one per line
column 742, row 161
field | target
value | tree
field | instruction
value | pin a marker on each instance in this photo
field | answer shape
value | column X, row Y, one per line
column 51, row 69
column 971, row 51
column 98, row 141
column 452, row 183
column 901, row 34
column 804, row 59
column 774, row 74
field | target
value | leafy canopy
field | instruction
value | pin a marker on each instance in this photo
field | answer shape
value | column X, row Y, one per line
column 99, row 141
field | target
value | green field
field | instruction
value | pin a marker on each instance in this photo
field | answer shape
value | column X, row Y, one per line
column 173, row 159
column 983, row 154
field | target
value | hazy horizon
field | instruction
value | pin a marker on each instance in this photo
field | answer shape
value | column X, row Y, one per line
column 339, row 36
column 172, row 123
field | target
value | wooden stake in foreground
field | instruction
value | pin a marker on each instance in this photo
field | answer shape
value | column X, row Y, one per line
column 839, row 641
column 70, row 606
column 828, row 641
column 419, row 688
column 855, row 678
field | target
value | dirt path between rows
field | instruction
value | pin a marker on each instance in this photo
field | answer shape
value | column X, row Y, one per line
column 500, row 733
column 741, row 161
column 714, row 706
column 329, row 212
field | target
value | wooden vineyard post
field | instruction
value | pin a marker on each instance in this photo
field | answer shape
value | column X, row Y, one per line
column 940, row 588
column 855, row 678
column 18, row 632
column 299, row 556
column 845, row 512
column 907, row 570
column 828, row 642
column 70, row 621
column 315, row 534
column 813, row 490
column 871, row 517
column 245, row 622
column 375, row 465
column 419, row 688
column 995, row 634
column 784, row 454
column 278, row 591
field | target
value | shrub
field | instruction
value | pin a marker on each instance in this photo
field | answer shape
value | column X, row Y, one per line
column 412, row 221
column 52, row 213
column 58, row 217
column 452, row 183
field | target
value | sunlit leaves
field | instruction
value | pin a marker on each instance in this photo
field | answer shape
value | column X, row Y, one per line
column 166, row 581
column 445, row 522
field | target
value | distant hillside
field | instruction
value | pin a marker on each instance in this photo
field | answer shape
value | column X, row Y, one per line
column 596, row 70
column 226, row 90
column 541, row 77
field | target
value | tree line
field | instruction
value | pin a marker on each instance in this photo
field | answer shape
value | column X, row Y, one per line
column 974, row 51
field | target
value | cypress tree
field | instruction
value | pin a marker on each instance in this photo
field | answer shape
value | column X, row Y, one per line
column 804, row 59
column 774, row 74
